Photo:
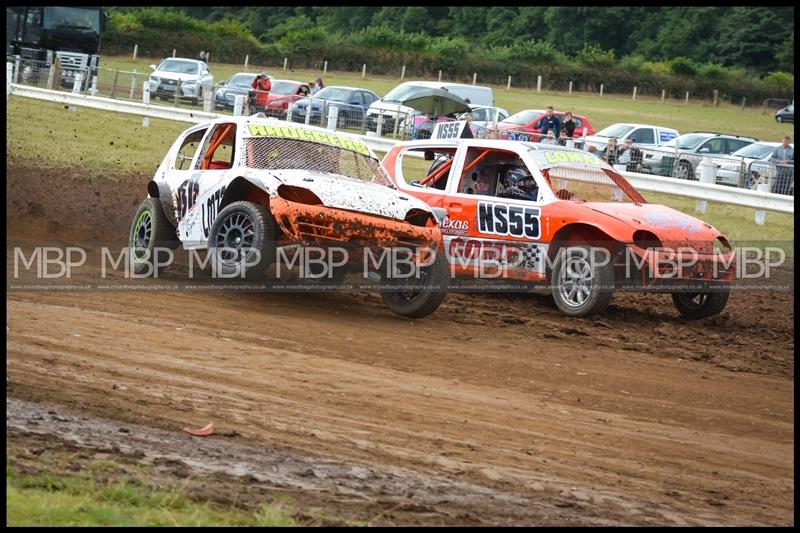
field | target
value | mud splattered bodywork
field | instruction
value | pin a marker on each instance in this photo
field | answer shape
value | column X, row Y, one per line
column 318, row 185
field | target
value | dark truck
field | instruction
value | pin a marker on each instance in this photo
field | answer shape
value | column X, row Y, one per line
column 40, row 34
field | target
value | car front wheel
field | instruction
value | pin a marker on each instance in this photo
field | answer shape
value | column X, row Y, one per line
column 684, row 170
column 779, row 118
column 697, row 305
column 582, row 281
column 242, row 241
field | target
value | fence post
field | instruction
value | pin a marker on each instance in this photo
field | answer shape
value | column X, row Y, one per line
column 663, row 94
column 208, row 97
column 133, row 84
column 474, row 77
column 16, row 69
column 761, row 215
column 364, row 70
column 539, row 84
column 333, row 117
column 440, row 75
column 51, row 74
column 634, row 92
column 285, row 60
column 93, row 90
column 508, row 85
column 325, row 68
column 146, row 101
column 601, row 89
column 178, row 92
column 76, row 88
column 379, row 127
column 246, row 59
column 687, row 97
column 9, row 78
column 716, row 97
column 174, row 52
column 114, row 83
column 403, row 73
column 708, row 174
column 570, row 87
column 744, row 99
column 135, row 50
column 309, row 107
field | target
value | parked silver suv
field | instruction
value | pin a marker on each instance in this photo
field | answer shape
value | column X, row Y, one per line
column 680, row 156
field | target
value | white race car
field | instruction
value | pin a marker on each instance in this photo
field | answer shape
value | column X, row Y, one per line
column 243, row 187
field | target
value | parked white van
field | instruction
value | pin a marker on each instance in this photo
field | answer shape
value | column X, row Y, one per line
column 389, row 106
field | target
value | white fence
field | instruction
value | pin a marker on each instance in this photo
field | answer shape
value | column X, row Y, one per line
column 710, row 192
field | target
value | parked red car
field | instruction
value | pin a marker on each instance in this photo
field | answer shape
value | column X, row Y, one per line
column 529, row 121
column 282, row 93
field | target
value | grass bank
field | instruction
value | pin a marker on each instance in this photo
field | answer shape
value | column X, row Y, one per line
column 56, row 488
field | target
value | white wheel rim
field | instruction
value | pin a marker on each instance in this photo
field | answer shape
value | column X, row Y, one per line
column 576, row 282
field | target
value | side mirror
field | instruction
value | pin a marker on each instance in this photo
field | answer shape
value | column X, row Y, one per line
column 223, row 82
column 429, row 156
column 704, row 150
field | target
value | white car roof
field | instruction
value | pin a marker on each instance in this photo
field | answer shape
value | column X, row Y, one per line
column 636, row 125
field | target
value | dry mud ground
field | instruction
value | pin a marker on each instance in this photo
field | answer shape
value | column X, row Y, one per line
column 493, row 410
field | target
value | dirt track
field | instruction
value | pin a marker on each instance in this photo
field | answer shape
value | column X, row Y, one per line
column 492, row 410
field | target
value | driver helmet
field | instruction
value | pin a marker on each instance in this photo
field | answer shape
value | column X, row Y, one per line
column 521, row 178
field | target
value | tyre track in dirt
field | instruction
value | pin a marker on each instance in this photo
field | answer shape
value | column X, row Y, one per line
column 637, row 417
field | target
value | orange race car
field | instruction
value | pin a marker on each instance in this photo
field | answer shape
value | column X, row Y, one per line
column 548, row 214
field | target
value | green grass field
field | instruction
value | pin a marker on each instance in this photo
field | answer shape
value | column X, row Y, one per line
column 601, row 112
column 107, row 144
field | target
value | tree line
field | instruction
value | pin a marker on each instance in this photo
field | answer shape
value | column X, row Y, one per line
column 741, row 51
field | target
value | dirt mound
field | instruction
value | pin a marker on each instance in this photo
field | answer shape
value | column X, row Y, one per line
column 70, row 203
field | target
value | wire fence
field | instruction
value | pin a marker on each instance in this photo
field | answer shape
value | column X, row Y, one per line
column 300, row 108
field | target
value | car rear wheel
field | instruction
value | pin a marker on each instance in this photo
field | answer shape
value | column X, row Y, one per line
column 242, row 241
column 582, row 282
column 697, row 305
column 424, row 295
column 151, row 235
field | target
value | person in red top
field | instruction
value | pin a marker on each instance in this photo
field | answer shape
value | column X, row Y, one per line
column 261, row 86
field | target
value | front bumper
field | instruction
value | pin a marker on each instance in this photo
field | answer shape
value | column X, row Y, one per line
column 673, row 270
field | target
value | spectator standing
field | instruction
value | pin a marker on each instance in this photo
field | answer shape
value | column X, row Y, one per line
column 630, row 156
column 569, row 124
column 316, row 86
column 783, row 157
column 611, row 152
column 260, row 93
column 550, row 122
column 202, row 56
column 550, row 138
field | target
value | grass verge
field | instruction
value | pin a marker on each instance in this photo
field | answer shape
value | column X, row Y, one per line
column 66, row 489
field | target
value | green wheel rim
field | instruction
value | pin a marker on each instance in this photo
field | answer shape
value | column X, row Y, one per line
column 142, row 233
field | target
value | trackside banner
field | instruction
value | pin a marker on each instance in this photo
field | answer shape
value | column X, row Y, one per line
column 288, row 132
